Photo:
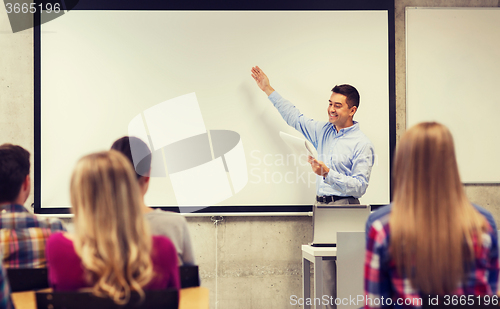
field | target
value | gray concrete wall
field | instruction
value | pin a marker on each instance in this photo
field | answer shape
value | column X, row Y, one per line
column 246, row 262
column 251, row 262
column 487, row 196
column 16, row 88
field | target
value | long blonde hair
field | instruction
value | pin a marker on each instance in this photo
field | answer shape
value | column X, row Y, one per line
column 432, row 223
column 112, row 238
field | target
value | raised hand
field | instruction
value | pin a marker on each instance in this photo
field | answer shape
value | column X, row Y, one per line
column 262, row 80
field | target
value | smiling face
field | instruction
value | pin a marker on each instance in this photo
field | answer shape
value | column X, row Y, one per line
column 339, row 112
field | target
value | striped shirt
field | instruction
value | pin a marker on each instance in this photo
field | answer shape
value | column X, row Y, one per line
column 23, row 237
column 384, row 287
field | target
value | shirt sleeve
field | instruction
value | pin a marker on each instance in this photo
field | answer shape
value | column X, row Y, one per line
column 5, row 299
column 51, row 249
column 188, row 254
column 356, row 183
column 294, row 118
column 169, row 262
column 56, row 225
column 377, row 283
column 65, row 269
column 493, row 261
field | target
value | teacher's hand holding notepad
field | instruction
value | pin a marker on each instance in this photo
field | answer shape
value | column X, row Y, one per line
column 318, row 166
column 303, row 149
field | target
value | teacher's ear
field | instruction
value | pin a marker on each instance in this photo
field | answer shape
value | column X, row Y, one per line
column 353, row 110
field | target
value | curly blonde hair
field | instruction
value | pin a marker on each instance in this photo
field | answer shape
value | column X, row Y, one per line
column 112, row 239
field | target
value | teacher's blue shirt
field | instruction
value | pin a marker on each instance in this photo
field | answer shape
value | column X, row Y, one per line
column 348, row 153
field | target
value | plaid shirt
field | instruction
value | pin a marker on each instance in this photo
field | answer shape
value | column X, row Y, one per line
column 23, row 237
column 383, row 282
column 5, row 300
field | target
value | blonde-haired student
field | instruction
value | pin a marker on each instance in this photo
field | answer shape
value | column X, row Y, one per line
column 431, row 240
column 112, row 250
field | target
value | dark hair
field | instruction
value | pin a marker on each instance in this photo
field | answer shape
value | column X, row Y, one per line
column 351, row 94
column 14, row 167
column 128, row 145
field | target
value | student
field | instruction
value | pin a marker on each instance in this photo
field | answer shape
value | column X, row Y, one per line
column 22, row 234
column 346, row 155
column 112, row 250
column 431, row 240
column 165, row 223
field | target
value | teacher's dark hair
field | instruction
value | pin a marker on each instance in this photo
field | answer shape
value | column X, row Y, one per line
column 14, row 167
column 351, row 94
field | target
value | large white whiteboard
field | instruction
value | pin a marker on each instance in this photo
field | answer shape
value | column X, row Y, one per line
column 100, row 70
column 453, row 77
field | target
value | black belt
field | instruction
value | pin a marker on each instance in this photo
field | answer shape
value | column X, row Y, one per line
column 330, row 198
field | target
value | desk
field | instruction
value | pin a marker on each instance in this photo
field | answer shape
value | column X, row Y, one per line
column 190, row 298
column 315, row 255
column 194, row 298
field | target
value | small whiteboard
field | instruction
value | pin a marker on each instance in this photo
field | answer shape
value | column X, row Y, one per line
column 453, row 77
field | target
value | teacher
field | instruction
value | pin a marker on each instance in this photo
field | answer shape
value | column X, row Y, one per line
column 346, row 155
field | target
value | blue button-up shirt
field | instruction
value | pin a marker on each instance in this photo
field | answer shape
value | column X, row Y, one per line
column 348, row 153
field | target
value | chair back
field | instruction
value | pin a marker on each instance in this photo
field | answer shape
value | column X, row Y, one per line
column 27, row 279
column 189, row 276
column 164, row 299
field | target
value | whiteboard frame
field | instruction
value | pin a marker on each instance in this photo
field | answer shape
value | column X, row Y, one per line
column 385, row 5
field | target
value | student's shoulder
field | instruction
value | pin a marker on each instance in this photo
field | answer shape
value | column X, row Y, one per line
column 381, row 214
column 61, row 253
column 482, row 210
column 168, row 216
column 487, row 215
column 25, row 219
column 61, row 237
column 159, row 212
column 163, row 247
column 55, row 224
column 161, row 243
column 59, row 244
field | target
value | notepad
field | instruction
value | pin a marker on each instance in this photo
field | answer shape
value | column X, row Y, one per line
column 299, row 146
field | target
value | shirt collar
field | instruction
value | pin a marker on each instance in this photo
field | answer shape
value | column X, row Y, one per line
column 354, row 127
column 12, row 208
